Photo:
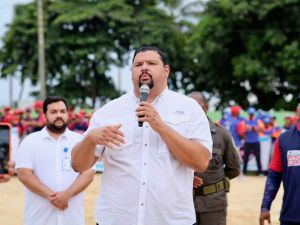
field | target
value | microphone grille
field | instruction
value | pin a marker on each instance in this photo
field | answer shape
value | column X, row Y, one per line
column 144, row 89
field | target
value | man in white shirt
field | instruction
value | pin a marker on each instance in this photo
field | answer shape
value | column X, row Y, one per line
column 53, row 189
column 148, row 176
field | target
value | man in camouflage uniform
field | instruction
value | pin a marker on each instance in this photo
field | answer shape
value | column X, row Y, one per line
column 211, row 186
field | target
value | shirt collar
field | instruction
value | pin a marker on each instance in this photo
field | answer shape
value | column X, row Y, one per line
column 45, row 134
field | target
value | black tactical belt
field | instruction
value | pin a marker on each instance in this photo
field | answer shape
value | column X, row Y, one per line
column 222, row 185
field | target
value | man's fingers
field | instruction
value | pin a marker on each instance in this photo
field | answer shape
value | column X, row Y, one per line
column 11, row 171
column 109, row 144
column 115, row 139
column 114, row 130
column 11, row 164
column 117, row 126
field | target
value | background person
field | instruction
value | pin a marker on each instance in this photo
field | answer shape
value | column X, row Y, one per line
column 285, row 168
column 149, row 170
column 37, row 123
column 234, row 127
column 53, row 190
column 252, row 129
column 211, row 186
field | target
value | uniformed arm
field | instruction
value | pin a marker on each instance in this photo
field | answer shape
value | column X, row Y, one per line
column 188, row 152
column 82, row 181
column 272, row 184
column 31, row 182
column 83, row 154
column 231, row 157
column 271, row 189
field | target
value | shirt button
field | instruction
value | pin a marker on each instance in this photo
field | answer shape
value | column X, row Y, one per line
column 145, row 163
column 144, row 183
column 145, row 144
column 142, row 204
column 146, row 126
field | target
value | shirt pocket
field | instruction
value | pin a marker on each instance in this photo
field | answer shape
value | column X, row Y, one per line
column 177, row 122
column 127, row 129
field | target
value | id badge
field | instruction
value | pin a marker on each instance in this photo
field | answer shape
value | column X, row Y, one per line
column 66, row 160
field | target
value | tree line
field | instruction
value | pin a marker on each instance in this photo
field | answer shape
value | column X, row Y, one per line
column 235, row 50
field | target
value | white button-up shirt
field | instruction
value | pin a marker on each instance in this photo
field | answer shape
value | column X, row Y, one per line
column 49, row 159
column 143, row 183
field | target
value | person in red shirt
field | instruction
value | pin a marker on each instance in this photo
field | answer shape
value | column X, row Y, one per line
column 39, row 122
column 7, row 115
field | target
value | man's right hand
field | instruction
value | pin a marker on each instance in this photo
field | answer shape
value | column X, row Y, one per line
column 107, row 135
column 198, row 182
column 264, row 216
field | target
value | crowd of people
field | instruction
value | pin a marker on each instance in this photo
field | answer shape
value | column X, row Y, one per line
column 163, row 162
column 32, row 118
column 247, row 131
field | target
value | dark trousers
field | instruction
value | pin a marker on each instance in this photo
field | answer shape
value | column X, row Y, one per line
column 211, row 218
column 255, row 148
column 286, row 223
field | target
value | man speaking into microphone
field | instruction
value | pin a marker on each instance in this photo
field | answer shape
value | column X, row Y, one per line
column 150, row 148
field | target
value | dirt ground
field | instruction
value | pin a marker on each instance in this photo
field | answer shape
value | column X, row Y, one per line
column 244, row 201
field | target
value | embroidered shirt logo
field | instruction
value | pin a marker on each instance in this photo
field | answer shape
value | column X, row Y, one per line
column 293, row 158
column 178, row 112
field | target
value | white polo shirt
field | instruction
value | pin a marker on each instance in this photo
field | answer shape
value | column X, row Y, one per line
column 49, row 158
column 143, row 183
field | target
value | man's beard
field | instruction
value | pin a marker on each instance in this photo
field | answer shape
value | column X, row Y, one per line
column 56, row 129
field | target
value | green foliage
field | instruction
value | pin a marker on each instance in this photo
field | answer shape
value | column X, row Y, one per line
column 83, row 39
column 240, row 47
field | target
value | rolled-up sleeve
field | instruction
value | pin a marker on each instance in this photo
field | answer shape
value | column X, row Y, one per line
column 199, row 129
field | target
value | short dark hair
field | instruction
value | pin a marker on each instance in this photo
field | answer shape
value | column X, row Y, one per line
column 200, row 94
column 163, row 55
column 52, row 99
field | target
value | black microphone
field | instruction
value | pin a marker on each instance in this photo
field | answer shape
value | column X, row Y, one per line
column 144, row 92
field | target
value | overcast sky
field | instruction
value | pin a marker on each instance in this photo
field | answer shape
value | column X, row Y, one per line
column 6, row 16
